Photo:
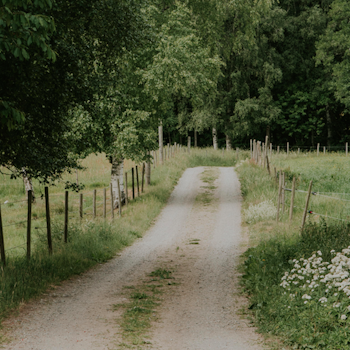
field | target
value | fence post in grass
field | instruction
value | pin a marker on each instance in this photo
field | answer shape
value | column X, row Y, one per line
column 112, row 204
column 237, row 152
column 287, row 148
column 126, row 189
column 278, row 149
column 48, row 220
column 119, row 199
column 133, row 183
column 94, row 204
column 298, row 150
column 275, row 172
column 29, row 222
column 251, row 149
column 318, row 149
column 324, row 150
column 81, row 206
column 264, row 154
column 270, row 149
column 189, row 144
column 346, row 149
column 279, row 196
column 104, row 203
column 292, row 201
column 137, row 181
column 143, row 177
column 283, row 191
column 306, row 207
column 2, row 245
column 268, row 165
column 65, row 217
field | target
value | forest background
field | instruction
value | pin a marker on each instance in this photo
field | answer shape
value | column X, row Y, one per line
column 85, row 76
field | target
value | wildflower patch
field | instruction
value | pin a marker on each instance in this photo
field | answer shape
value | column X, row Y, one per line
column 263, row 211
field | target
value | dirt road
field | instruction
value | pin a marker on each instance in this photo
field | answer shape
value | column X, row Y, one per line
column 198, row 235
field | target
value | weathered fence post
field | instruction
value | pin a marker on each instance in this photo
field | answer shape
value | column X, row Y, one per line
column 324, row 150
column 2, row 244
column 318, row 149
column 278, row 149
column 292, row 201
column 346, row 149
column 270, row 149
column 283, row 191
column 65, row 217
column 81, row 206
column 268, row 165
column 306, row 207
column 298, row 151
column 137, row 181
column 287, row 148
column 275, row 172
column 119, row 199
column 48, row 220
column 189, row 144
column 29, row 222
column 143, row 177
column 133, row 183
column 251, row 149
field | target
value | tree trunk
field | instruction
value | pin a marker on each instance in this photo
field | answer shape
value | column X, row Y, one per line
column 215, row 139
column 28, row 185
column 117, row 172
column 228, row 143
column 195, row 139
column 160, row 134
column 329, row 124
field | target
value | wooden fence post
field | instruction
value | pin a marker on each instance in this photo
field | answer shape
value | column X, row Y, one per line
column 65, row 217
column 268, row 164
column 318, row 149
column 29, row 222
column 287, row 148
column 126, row 189
column 270, row 149
column 279, row 196
column 324, row 150
column 189, row 144
column 104, row 203
column 48, row 220
column 119, row 199
column 292, row 201
column 137, row 181
column 346, row 149
column 112, row 201
column 2, row 245
column 81, row 206
column 133, row 183
column 306, row 207
column 251, row 149
column 298, row 150
column 143, row 177
column 94, row 204
column 275, row 172
column 278, row 149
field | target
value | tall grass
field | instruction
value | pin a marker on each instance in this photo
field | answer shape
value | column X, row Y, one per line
column 90, row 241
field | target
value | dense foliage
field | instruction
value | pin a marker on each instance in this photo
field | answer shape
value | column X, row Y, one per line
column 86, row 76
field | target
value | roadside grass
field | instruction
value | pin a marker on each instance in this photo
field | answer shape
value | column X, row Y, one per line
column 297, row 312
column 90, row 241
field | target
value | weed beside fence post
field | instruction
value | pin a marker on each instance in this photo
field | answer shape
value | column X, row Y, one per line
column 137, row 181
column 29, row 222
column 279, row 196
column 306, row 207
column 94, row 204
column 48, row 220
column 104, row 203
column 112, row 204
column 292, row 201
column 119, row 199
column 65, row 233
column 2, row 245
column 126, row 189
column 81, row 206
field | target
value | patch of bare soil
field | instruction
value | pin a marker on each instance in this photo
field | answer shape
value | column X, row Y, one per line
column 200, row 240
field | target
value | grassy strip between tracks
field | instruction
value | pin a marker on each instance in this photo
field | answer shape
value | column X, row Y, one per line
column 96, row 241
column 298, row 285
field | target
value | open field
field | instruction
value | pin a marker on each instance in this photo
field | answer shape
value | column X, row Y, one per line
column 305, row 315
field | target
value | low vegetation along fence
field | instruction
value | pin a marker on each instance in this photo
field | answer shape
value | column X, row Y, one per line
column 261, row 155
column 102, row 198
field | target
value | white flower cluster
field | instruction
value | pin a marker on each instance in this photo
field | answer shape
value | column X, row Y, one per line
column 321, row 281
column 262, row 211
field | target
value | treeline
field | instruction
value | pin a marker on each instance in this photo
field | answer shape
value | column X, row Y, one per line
column 88, row 76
